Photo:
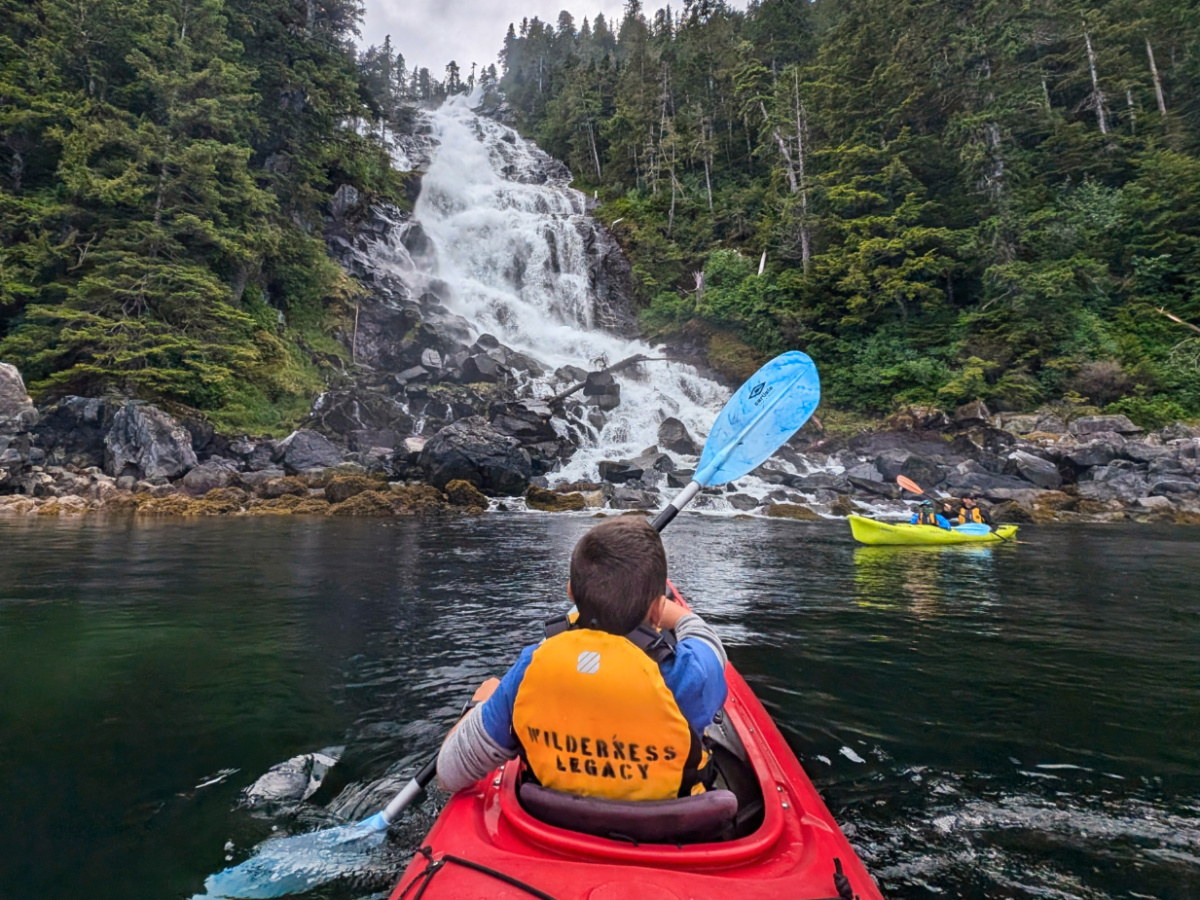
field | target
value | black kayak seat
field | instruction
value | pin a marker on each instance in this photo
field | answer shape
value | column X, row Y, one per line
column 696, row 818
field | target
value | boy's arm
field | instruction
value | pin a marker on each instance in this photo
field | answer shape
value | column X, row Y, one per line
column 483, row 739
column 696, row 674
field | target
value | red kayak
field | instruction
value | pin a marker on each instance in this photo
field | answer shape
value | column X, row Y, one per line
column 783, row 844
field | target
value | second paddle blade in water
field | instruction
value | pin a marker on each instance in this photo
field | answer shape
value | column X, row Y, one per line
column 296, row 864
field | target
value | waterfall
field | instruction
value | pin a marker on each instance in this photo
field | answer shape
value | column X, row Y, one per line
column 504, row 247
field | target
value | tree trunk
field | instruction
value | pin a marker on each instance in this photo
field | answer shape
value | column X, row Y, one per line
column 1097, row 94
column 595, row 152
column 801, row 128
column 783, row 149
column 1158, row 91
column 1132, row 110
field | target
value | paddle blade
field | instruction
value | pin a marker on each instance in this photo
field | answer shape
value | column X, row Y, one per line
column 973, row 528
column 766, row 411
column 909, row 485
column 293, row 865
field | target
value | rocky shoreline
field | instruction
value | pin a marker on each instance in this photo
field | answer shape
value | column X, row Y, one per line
column 85, row 455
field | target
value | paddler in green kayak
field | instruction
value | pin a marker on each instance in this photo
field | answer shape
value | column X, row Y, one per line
column 613, row 703
column 925, row 515
column 971, row 511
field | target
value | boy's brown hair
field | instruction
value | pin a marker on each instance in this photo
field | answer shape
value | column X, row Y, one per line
column 618, row 569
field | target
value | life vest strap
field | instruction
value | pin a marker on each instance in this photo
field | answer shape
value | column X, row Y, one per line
column 658, row 645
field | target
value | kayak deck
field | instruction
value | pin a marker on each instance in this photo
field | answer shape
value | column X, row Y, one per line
column 791, row 854
column 871, row 531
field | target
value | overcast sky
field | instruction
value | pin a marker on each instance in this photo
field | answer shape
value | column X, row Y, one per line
column 430, row 33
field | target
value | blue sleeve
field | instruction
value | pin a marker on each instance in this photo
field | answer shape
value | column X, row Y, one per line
column 941, row 520
column 696, row 678
column 915, row 519
column 497, row 710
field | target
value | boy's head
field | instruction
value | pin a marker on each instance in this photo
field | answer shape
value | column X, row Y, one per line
column 618, row 570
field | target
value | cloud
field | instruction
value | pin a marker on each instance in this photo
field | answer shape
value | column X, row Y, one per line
column 430, row 33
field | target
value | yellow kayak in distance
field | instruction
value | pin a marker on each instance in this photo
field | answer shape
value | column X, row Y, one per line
column 870, row 531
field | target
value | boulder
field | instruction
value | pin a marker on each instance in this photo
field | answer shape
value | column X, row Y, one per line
column 673, row 435
column 878, row 488
column 280, row 487
column 792, row 511
column 982, row 483
column 552, row 501
column 304, row 449
column 481, row 368
column 17, row 412
column 1095, row 453
column 1019, row 424
column 651, row 460
column 570, row 374
column 633, row 498
column 472, row 450
column 602, row 390
column 72, row 431
column 1154, row 502
column 619, row 471
column 742, row 502
column 972, row 413
column 1050, row 424
column 1035, row 470
column 342, row 487
column 526, row 420
column 1144, row 452
column 463, row 493
column 1179, row 430
column 1113, row 484
column 865, row 471
column 680, row 478
column 145, row 442
column 1090, row 425
column 209, row 476
column 819, row 481
column 843, row 506
column 1173, row 487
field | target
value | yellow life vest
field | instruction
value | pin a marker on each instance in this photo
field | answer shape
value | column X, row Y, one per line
column 970, row 515
column 926, row 518
column 595, row 718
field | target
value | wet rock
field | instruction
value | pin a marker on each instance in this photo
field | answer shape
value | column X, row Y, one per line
column 620, row 471
column 820, row 481
column 304, row 449
column 1091, row 425
column 526, row 420
column 742, row 502
column 634, row 498
column 878, row 488
column 367, row 504
column 552, row 501
column 481, row 369
column 673, row 435
column 345, row 199
column 865, row 472
column 792, row 511
column 146, row 442
column 279, row 487
column 972, row 413
column 570, row 374
column 925, row 472
column 1109, row 483
column 843, row 506
column 680, row 478
column 209, row 476
column 463, row 493
column 341, row 488
column 1036, row 470
column 651, row 460
column 472, row 450
column 602, row 390
column 982, row 483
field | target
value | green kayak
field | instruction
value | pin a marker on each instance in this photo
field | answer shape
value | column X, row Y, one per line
column 869, row 531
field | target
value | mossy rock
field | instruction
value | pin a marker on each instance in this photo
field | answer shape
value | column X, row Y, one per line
column 1011, row 512
column 368, row 504
column 278, row 487
column 463, row 493
column 422, row 500
column 551, row 501
column 311, row 506
column 844, row 506
column 236, row 496
column 343, row 487
column 792, row 511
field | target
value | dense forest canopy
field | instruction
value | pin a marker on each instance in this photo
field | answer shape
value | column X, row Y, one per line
column 941, row 202
column 982, row 199
column 164, row 167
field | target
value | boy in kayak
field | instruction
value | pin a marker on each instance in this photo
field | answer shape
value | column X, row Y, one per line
column 609, row 706
column 972, row 512
column 925, row 515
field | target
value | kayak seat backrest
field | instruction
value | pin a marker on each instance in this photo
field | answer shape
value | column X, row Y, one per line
column 697, row 818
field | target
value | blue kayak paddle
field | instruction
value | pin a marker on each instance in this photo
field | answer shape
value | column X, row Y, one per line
column 766, row 411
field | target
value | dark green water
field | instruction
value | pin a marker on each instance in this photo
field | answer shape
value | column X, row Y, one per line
column 1005, row 722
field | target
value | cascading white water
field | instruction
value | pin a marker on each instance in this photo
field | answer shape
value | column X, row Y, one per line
column 510, row 248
